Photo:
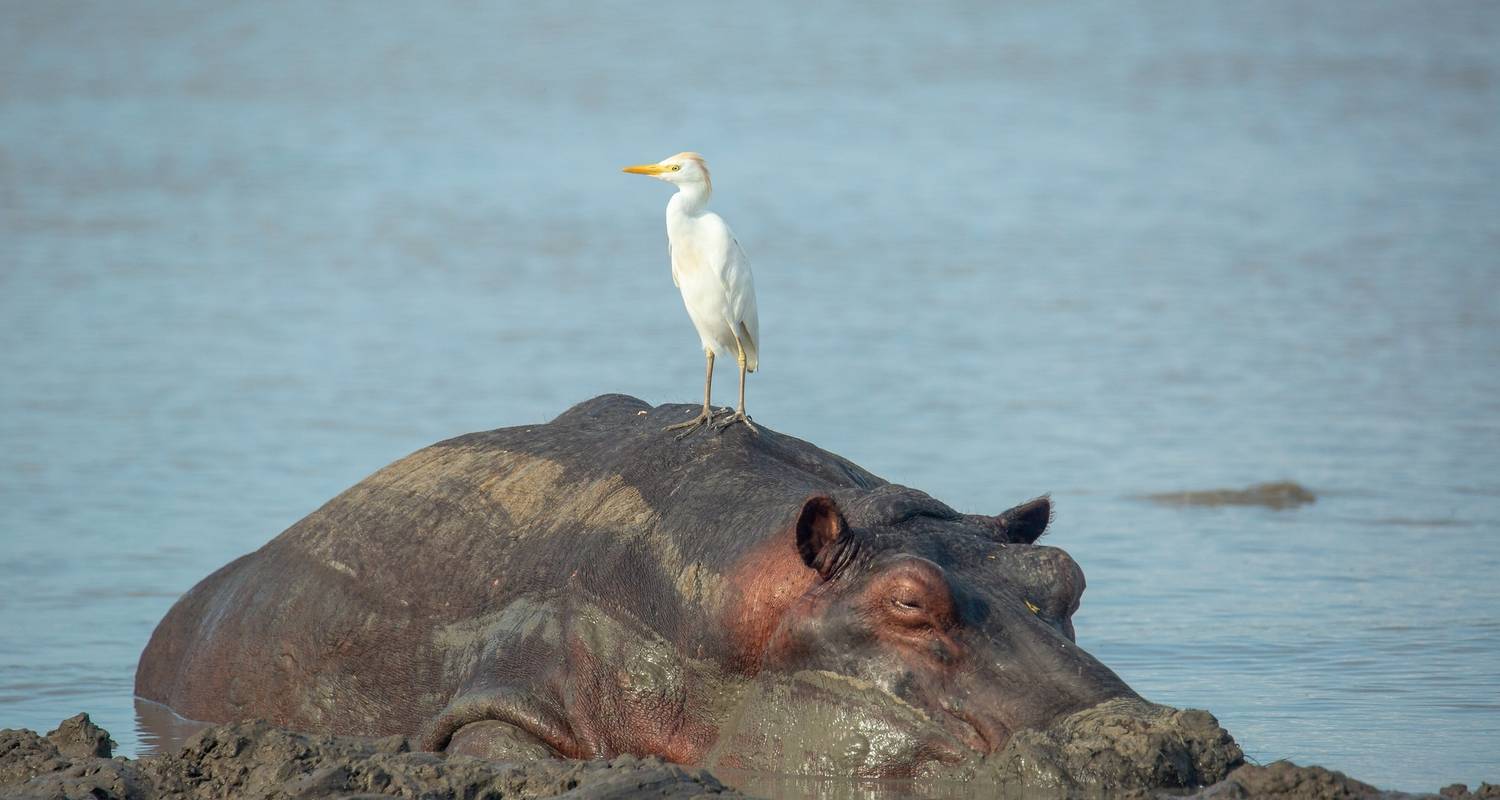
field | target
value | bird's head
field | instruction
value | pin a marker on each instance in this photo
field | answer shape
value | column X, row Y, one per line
column 683, row 169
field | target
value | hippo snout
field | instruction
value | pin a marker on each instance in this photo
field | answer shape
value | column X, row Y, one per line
column 1121, row 743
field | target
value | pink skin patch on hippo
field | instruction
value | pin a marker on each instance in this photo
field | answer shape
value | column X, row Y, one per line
column 763, row 586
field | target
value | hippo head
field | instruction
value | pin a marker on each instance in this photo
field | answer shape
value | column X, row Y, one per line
column 962, row 623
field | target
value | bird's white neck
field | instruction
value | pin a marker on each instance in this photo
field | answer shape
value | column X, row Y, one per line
column 690, row 200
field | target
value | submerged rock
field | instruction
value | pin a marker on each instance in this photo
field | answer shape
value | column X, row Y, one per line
column 1277, row 495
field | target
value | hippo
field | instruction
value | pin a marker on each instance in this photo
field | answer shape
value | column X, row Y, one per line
column 592, row 587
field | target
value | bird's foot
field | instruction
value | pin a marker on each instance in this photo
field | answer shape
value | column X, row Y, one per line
column 704, row 418
column 738, row 416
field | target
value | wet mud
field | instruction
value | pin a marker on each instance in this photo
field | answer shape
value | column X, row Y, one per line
column 1277, row 495
column 256, row 760
column 819, row 723
column 1097, row 753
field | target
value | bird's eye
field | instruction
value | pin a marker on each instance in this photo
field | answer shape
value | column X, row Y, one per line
column 676, row 167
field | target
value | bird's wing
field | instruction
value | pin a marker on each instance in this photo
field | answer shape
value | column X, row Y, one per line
column 673, row 261
column 739, row 296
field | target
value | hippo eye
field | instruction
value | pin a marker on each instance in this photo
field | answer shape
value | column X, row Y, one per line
column 913, row 597
column 907, row 598
column 909, row 613
column 908, row 608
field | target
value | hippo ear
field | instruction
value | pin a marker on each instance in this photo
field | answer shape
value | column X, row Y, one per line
column 820, row 532
column 1026, row 522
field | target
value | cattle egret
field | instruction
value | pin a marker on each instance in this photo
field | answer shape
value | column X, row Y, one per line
column 711, row 270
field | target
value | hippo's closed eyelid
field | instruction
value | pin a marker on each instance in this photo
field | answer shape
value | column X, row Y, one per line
column 909, row 615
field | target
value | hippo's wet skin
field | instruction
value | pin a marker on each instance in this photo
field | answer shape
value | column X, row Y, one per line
column 591, row 587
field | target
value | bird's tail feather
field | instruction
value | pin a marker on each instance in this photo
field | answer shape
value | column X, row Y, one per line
column 752, row 350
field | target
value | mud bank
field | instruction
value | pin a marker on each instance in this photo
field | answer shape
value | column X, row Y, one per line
column 256, row 760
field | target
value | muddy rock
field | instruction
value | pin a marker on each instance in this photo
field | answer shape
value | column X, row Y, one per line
column 79, row 737
column 256, row 760
column 24, row 755
column 1121, row 745
column 34, row 767
column 1278, row 495
column 1283, row 780
column 1460, row 791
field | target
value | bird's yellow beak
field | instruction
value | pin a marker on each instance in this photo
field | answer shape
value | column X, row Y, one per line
column 646, row 169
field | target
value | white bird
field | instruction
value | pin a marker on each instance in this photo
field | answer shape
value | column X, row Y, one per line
column 711, row 270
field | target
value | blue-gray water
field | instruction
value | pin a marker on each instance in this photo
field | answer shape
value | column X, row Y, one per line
column 251, row 252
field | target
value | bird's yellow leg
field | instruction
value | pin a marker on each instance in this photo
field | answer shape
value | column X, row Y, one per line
column 706, row 415
column 739, row 416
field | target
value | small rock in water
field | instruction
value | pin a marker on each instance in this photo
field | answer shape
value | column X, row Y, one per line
column 1277, row 495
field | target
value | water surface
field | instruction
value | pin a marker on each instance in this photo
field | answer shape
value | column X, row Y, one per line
column 251, row 252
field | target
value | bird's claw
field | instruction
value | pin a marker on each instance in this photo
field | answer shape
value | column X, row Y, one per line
column 705, row 418
column 738, row 416
column 690, row 426
column 719, row 419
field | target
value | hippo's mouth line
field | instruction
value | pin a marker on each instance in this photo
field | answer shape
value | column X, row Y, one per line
column 972, row 733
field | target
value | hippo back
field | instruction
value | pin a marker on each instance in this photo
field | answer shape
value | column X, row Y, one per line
column 360, row 617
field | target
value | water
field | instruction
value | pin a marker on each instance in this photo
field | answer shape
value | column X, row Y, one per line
column 251, row 252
